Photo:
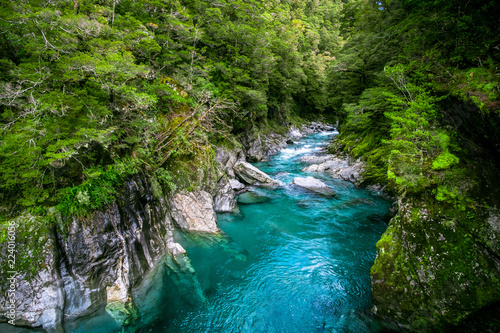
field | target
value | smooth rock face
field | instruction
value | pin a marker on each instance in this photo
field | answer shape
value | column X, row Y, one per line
column 236, row 185
column 97, row 262
column 104, row 258
column 39, row 302
column 194, row 211
column 314, row 185
column 224, row 199
column 253, row 176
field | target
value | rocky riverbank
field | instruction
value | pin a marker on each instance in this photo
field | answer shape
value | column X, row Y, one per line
column 99, row 260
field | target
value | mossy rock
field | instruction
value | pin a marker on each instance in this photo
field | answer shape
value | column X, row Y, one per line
column 198, row 170
column 434, row 267
column 33, row 241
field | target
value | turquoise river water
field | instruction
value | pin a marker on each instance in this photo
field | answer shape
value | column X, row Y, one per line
column 295, row 262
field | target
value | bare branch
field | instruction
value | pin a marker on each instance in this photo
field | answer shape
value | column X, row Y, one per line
column 47, row 43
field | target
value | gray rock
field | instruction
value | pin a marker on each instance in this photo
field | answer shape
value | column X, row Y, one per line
column 194, row 211
column 176, row 248
column 254, row 149
column 227, row 159
column 339, row 168
column 351, row 173
column 331, row 165
column 294, row 132
column 316, row 158
column 258, row 147
column 96, row 263
column 224, row 199
column 253, row 176
column 314, row 127
column 236, row 185
column 39, row 301
column 314, row 185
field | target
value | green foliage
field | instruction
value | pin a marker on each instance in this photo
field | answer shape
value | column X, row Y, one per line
column 444, row 161
column 87, row 85
column 391, row 64
column 165, row 179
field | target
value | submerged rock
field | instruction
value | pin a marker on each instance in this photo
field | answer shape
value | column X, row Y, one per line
column 314, row 185
column 251, row 198
column 194, row 211
column 253, row 176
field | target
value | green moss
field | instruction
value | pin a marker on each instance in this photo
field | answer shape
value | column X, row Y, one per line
column 432, row 269
column 197, row 170
column 444, row 161
column 32, row 240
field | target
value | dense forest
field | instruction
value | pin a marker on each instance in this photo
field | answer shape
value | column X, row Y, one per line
column 95, row 90
column 92, row 92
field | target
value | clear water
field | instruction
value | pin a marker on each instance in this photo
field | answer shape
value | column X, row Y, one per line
column 298, row 262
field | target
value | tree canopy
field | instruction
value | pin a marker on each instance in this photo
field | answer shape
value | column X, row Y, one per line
column 93, row 91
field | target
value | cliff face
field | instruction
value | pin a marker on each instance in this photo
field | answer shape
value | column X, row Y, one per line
column 434, row 270
column 439, row 263
column 97, row 262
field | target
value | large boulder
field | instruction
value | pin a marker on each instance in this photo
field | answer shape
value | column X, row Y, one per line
column 253, row 176
column 436, row 266
column 194, row 211
column 314, row 185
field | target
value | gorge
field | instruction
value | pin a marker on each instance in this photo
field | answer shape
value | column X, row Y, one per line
column 161, row 151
